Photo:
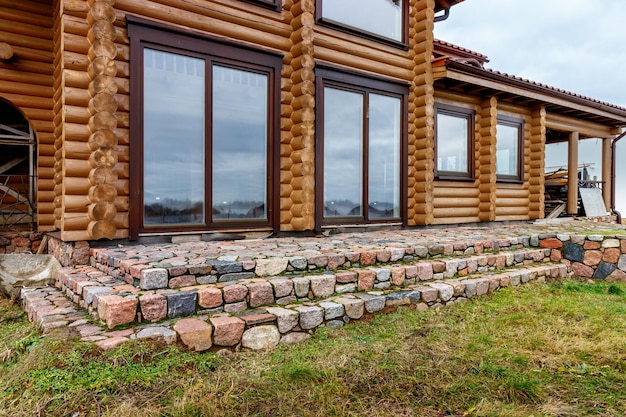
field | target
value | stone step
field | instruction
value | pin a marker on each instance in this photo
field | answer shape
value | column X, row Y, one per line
column 156, row 295
column 257, row 327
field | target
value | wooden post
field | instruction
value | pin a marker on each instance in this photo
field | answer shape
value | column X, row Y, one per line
column 572, row 174
column 607, row 176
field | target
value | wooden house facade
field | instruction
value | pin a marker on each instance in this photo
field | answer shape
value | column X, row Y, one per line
column 196, row 116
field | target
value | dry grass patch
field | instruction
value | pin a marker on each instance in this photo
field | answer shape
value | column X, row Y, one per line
column 543, row 350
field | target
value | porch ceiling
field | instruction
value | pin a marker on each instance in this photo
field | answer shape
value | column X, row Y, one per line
column 469, row 79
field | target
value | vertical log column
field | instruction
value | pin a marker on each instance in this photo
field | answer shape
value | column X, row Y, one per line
column 298, row 182
column 572, row 174
column 607, row 175
column 59, row 116
column 102, row 124
column 421, row 146
column 486, row 169
column 537, row 163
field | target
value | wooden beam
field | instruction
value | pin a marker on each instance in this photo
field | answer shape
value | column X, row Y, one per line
column 572, row 174
column 606, row 171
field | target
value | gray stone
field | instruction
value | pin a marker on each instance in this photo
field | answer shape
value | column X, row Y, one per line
column 260, row 338
column 516, row 278
column 534, row 240
column 595, row 238
column 226, row 267
column 301, row 286
column 294, row 337
column 206, row 279
column 382, row 274
column 573, row 252
column 470, row 288
column 445, row 291
column 286, row 300
column 346, row 288
column 298, row 262
column 181, row 303
column 310, row 316
column 562, row 237
column 603, row 270
column 89, row 293
column 158, row 332
column 286, row 319
column 236, row 276
column 332, row 310
column 621, row 264
column 373, row 303
column 382, row 285
column 396, row 254
column 322, row 285
column 153, row 278
column 420, row 251
column 401, row 298
column 19, row 270
column 335, row 323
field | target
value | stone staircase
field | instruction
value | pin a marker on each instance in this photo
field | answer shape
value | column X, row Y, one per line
column 258, row 293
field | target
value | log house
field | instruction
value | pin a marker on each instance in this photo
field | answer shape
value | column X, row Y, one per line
column 166, row 117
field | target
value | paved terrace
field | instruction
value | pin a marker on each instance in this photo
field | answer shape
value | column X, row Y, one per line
column 282, row 288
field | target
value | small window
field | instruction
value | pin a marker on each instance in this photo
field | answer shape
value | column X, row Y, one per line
column 378, row 19
column 454, row 127
column 508, row 149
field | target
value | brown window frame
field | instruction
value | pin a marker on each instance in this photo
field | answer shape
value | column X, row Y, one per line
column 519, row 124
column 268, row 4
column 354, row 30
column 349, row 80
column 469, row 115
column 146, row 33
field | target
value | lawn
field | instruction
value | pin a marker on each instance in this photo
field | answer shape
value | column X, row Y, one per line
column 555, row 349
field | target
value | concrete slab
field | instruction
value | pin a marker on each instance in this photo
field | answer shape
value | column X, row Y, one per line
column 18, row 270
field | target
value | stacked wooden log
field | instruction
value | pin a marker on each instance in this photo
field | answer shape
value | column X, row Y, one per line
column 102, row 123
column 26, row 68
column 537, row 163
column 421, row 146
column 297, row 180
column 486, row 158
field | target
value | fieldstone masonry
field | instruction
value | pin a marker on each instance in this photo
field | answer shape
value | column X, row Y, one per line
column 256, row 303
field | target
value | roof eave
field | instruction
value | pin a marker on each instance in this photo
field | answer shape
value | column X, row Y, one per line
column 549, row 95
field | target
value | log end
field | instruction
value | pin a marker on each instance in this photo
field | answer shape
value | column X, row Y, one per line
column 6, row 51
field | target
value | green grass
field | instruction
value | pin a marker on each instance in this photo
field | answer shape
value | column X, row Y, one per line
column 540, row 350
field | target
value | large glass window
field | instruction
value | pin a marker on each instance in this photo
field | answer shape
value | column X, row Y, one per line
column 362, row 142
column 508, row 149
column 454, row 137
column 203, row 132
column 381, row 18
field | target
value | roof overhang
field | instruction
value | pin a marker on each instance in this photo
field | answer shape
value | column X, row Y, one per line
column 459, row 76
column 445, row 4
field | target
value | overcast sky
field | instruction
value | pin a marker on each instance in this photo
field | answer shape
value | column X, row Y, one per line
column 575, row 45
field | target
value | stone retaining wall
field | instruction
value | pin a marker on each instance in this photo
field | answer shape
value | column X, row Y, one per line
column 590, row 256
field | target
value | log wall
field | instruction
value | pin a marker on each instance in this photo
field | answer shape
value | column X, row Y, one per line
column 26, row 81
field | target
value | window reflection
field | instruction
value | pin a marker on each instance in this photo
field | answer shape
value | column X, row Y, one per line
column 384, row 157
column 343, row 153
column 452, row 144
column 239, row 151
column 507, row 149
column 380, row 17
column 173, row 139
